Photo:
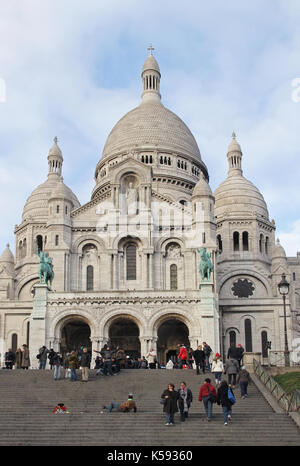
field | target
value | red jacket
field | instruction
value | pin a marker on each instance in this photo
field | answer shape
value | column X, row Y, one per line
column 183, row 353
column 205, row 390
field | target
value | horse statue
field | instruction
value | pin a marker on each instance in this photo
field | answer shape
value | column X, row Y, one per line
column 206, row 266
column 45, row 269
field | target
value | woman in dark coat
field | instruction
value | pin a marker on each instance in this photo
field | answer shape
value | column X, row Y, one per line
column 224, row 401
column 170, row 406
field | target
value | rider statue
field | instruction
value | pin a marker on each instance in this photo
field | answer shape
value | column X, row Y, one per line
column 45, row 270
column 206, row 266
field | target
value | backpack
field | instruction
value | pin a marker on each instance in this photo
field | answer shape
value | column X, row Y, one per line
column 231, row 396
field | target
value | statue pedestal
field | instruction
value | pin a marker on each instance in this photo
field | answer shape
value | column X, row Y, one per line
column 210, row 324
column 37, row 337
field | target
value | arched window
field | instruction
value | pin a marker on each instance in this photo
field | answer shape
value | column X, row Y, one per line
column 39, row 242
column 236, row 241
column 264, row 344
column 248, row 336
column 173, row 277
column 28, row 333
column 57, row 209
column 14, row 342
column 267, row 245
column 131, row 262
column 56, row 240
column 24, row 252
column 232, row 338
column 245, row 241
column 89, row 278
column 261, row 239
column 220, row 244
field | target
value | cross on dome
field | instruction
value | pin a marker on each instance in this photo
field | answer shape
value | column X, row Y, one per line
column 150, row 48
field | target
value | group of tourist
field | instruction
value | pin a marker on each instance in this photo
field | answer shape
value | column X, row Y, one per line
column 20, row 359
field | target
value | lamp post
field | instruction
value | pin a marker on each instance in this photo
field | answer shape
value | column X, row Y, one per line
column 283, row 288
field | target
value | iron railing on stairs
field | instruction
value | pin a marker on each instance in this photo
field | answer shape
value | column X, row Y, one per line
column 288, row 401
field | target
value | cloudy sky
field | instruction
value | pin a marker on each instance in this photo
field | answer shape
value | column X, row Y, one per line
column 71, row 69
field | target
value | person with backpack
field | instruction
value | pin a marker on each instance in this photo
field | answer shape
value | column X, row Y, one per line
column 182, row 356
column 42, row 357
column 225, row 398
column 207, row 350
column 208, row 395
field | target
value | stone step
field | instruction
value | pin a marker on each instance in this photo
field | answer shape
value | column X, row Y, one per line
column 28, row 397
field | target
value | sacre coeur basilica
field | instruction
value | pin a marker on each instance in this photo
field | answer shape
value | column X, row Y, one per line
column 155, row 258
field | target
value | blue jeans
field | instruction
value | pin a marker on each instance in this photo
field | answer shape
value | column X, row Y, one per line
column 207, row 362
column 108, row 367
column 73, row 374
column 207, row 406
column 170, row 418
column 57, row 372
column 43, row 364
column 112, row 406
column 218, row 376
column 243, row 387
column 227, row 411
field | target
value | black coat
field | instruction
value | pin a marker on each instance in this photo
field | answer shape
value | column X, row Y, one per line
column 233, row 353
column 199, row 356
column 222, row 396
column 171, row 404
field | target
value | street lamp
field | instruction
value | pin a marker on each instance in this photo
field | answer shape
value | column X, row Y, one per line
column 283, row 288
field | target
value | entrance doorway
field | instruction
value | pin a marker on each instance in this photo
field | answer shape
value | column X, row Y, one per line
column 75, row 334
column 124, row 333
column 170, row 334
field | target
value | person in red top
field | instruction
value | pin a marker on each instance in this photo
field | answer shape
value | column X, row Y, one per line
column 208, row 395
column 182, row 356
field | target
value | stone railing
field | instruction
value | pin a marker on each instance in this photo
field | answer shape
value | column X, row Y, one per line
column 290, row 402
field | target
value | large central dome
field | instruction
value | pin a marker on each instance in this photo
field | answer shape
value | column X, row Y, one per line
column 151, row 125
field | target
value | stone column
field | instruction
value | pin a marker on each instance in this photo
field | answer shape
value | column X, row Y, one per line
column 209, row 317
column 38, row 323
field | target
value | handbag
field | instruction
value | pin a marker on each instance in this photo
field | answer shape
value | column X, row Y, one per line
column 38, row 356
column 212, row 398
column 163, row 401
column 231, row 396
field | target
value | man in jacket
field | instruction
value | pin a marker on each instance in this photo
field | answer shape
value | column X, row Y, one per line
column 208, row 395
column 125, row 407
column 232, row 369
column 207, row 350
column 199, row 358
column 233, row 352
column 85, row 364
column 244, row 379
column 43, row 351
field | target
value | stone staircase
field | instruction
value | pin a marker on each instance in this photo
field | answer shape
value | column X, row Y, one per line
column 28, row 397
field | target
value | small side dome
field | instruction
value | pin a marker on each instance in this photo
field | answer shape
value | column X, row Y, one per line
column 61, row 191
column 278, row 251
column 7, row 256
column 202, row 188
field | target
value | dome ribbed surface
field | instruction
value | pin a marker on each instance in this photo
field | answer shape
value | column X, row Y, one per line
column 238, row 195
column 37, row 204
column 151, row 124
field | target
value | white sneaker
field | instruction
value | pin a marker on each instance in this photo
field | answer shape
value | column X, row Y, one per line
column 167, row 424
column 225, row 423
column 229, row 417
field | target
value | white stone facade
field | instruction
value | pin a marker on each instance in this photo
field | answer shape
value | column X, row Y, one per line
column 132, row 253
